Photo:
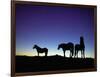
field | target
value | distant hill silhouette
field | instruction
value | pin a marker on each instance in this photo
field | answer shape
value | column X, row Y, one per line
column 47, row 63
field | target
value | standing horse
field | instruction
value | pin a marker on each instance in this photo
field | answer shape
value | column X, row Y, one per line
column 41, row 50
column 68, row 46
column 80, row 47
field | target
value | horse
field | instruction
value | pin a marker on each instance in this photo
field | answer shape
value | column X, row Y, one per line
column 80, row 47
column 41, row 50
column 67, row 46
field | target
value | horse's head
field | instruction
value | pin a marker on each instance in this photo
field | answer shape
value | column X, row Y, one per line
column 34, row 46
column 59, row 46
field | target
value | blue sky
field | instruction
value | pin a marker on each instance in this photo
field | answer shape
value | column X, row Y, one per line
column 48, row 26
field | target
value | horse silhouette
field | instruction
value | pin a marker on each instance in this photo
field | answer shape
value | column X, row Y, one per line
column 40, row 50
column 67, row 46
column 80, row 47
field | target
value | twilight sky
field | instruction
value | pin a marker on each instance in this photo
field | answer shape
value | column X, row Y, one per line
column 48, row 26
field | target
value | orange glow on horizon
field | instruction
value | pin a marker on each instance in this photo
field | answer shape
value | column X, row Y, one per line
column 31, row 53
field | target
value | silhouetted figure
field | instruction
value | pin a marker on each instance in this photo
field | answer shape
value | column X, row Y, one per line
column 80, row 47
column 68, row 46
column 41, row 50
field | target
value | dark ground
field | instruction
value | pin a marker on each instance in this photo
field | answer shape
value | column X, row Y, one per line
column 37, row 64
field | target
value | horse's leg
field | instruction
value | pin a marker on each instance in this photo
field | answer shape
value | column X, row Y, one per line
column 38, row 53
column 45, row 53
column 77, row 53
column 64, row 53
column 83, row 54
column 70, row 53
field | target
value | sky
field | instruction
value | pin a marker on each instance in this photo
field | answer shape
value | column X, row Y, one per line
column 49, row 26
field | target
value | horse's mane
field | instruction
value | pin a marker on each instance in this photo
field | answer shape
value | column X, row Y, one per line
column 36, row 46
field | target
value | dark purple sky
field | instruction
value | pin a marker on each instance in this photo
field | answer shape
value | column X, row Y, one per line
column 48, row 26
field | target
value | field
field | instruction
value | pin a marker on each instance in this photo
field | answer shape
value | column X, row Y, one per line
column 51, row 63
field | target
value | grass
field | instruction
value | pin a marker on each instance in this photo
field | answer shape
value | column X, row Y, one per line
column 51, row 63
